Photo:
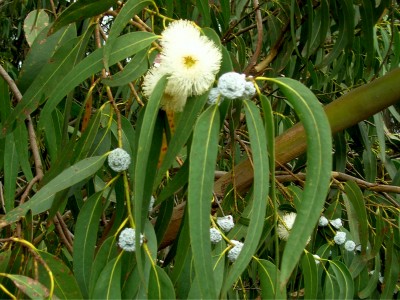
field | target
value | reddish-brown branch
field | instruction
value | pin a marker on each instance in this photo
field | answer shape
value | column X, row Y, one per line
column 31, row 133
column 259, row 21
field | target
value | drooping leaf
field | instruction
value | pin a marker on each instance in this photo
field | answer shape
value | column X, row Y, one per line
column 29, row 286
column 260, row 193
column 11, row 167
column 160, row 285
column 142, row 163
column 79, row 10
column 343, row 277
column 86, row 229
column 65, row 285
column 108, row 285
column 319, row 164
column 358, row 215
column 130, row 8
column 203, row 157
column 310, row 275
column 125, row 46
column 269, row 280
column 43, row 199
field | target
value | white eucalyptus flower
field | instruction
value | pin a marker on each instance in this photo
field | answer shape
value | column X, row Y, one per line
column 119, row 160
column 323, row 221
column 235, row 251
column 232, row 85
column 317, row 259
column 225, row 223
column 285, row 224
column 350, row 245
column 190, row 61
column 340, row 237
column 337, row 223
column 127, row 239
column 249, row 90
column 213, row 96
column 215, row 235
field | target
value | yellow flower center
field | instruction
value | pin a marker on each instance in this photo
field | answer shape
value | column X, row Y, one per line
column 189, row 61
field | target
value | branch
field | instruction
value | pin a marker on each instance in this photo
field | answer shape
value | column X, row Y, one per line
column 257, row 52
column 353, row 107
column 31, row 133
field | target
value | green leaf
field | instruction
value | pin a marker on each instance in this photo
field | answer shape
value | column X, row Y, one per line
column 331, row 287
column 319, row 164
column 29, row 286
column 11, row 167
column 358, row 219
column 132, row 71
column 51, row 74
column 86, row 229
column 310, row 275
column 125, row 46
column 258, row 144
column 204, row 9
column 65, row 285
column 160, row 285
column 107, row 251
column 145, row 146
column 345, row 32
column 268, row 272
column 130, row 8
column 373, row 281
column 42, row 48
column 21, row 144
column 43, row 199
column 392, row 269
column 343, row 277
column 108, row 285
column 4, row 259
column 183, row 131
column 80, row 10
column 203, row 156
column 367, row 25
column 34, row 23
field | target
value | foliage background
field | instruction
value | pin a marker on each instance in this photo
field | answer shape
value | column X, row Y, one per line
column 70, row 92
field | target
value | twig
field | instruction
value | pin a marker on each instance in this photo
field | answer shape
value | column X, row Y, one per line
column 262, row 66
column 376, row 187
column 257, row 52
column 31, row 133
column 62, row 235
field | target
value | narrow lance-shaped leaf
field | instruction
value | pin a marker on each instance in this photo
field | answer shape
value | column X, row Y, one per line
column 130, row 8
column 319, row 164
column 203, row 156
column 343, row 277
column 142, row 161
column 260, row 193
column 85, row 240
column 183, row 132
column 11, row 166
column 43, row 199
column 48, row 78
column 29, row 286
column 125, row 46
column 310, row 275
column 79, row 10
column 360, row 223
column 108, row 285
column 65, row 285
column 268, row 276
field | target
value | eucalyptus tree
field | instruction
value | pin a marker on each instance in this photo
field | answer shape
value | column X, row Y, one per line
column 201, row 149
